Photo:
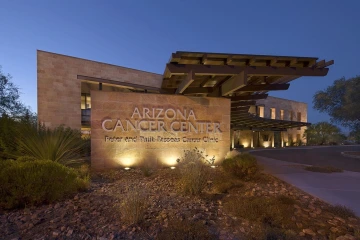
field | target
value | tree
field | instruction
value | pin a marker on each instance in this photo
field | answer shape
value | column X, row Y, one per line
column 10, row 103
column 13, row 113
column 323, row 133
column 341, row 101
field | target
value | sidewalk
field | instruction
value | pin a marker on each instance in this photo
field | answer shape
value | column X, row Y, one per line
column 335, row 188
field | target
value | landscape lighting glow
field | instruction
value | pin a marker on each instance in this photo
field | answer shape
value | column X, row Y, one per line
column 172, row 167
column 127, row 168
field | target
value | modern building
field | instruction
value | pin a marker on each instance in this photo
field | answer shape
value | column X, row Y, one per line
column 202, row 98
column 270, row 109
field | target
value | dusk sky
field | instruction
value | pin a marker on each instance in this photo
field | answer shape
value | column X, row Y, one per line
column 143, row 34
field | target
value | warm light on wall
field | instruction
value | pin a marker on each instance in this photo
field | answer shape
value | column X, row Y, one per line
column 170, row 160
column 245, row 144
column 266, row 144
column 127, row 161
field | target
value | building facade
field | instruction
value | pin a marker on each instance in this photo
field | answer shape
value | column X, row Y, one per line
column 276, row 109
column 209, row 101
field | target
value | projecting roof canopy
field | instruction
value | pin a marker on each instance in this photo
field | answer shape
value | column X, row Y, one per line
column 242, row 78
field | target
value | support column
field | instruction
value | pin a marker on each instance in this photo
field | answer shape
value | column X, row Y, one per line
column 252, row 139
column 273, row 140
column 232, row 138
column 282, row 139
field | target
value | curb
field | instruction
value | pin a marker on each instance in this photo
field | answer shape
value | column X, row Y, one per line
column 349, row 155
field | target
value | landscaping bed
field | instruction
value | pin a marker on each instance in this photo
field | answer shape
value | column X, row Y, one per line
column 228, row 209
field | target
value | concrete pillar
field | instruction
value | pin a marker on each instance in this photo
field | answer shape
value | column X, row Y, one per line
column 273, row 140
column 282, row 139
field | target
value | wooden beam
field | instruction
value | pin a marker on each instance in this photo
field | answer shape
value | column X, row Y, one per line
column 273, row 61
column 234, row 83
column 206, row 80
column 293, row 61
column 250, row 70
column 198, row 90
column 242, row 104
column 249, row 97
column 204, row 59
column 264, row 87
column 185, row 83
column 229, row 60
column 122, row 84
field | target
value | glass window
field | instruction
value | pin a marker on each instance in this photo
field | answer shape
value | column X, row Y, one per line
column 83, row 100
column 261, row 111
column 88, row 101
column 272, row 113
column 281, row 114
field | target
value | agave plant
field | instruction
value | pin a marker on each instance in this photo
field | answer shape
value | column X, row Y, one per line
column 62, row 145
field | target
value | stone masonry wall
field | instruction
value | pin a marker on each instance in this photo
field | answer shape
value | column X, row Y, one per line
column 128, row 147
column 59, row 90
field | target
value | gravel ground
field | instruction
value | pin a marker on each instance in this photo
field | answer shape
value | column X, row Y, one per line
column 95, row 214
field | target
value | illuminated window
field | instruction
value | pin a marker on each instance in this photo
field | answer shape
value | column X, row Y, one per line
column 260, row 111
column 281, row 114
column 272, row 113
column 85, row 101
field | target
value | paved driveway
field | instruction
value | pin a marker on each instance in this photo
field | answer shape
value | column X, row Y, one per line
column 322, row 156
column 335, row 188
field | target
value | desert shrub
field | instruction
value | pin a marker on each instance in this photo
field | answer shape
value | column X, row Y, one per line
column 24, row 183
column 341, row 211
column 185, row 230
column 262, row 232
column 268, row 211
column 243, row 166
column 62, row 145
column 26, row 159
column 133, row 206
column 286, row 200
column 147, row 170
column 223, row 184
column 195, row 171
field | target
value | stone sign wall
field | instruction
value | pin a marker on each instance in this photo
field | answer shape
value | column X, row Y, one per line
column 135, row 129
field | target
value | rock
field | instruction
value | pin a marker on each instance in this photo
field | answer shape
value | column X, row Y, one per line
column 339, row 219
column 334, row 229
column 299, row 225
column 55, row 234
column 309, row 232
column 69, row 233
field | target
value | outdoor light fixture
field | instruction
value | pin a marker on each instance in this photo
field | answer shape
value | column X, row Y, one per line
column 172, row 167
column 213, row 166
column 127, row 168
